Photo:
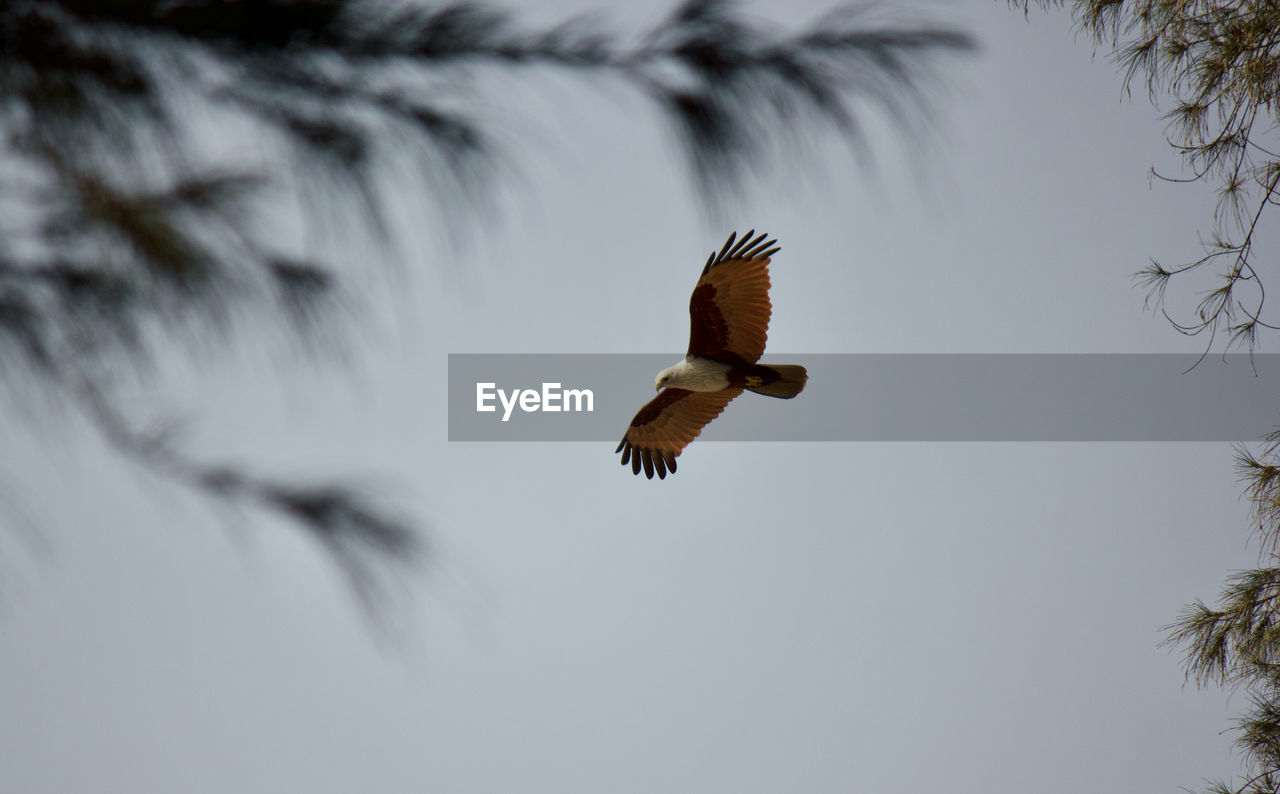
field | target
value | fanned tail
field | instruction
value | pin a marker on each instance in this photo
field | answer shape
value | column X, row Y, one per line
column 779, row 380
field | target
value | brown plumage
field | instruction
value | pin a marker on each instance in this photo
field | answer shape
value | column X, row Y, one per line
column 729, row 315
column 734, row 285
column 666, row 424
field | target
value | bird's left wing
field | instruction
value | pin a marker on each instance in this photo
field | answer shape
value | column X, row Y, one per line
column 666, row 424
column 729, row 309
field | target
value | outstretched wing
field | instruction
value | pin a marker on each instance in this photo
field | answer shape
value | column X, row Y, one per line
column 729, row 309
column 666, row 425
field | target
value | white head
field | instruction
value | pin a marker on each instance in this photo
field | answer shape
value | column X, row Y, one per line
column 666, row 378
column 694, row 374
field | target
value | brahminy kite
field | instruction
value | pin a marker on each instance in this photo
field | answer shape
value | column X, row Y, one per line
column 729, row 320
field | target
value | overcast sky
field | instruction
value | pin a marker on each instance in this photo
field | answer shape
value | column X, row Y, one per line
column 776, row 617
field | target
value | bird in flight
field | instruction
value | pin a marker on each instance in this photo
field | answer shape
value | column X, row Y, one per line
column 729, row 321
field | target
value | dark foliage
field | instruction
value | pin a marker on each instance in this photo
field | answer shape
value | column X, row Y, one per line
column 1217, row 62
column 1216, row 66
column 123, row 219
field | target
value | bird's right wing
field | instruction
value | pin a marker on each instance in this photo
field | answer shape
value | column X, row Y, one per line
column 664, row 426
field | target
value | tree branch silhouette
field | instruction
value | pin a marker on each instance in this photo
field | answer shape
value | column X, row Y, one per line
column 1218, row 64
column 1218, row 61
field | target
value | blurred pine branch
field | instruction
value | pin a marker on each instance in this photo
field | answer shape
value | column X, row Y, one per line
column 121, row 227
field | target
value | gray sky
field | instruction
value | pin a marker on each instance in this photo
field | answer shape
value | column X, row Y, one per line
column 838, row 617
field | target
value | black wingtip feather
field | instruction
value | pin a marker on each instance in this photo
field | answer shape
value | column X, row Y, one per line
column 753, row 251
column 727, row 244
column 742, row 245
column 661, row 461
column 748, row 246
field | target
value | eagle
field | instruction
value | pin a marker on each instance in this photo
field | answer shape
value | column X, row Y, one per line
column 729, row 321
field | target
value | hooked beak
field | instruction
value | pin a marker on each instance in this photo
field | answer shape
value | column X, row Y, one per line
column 657, row 387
